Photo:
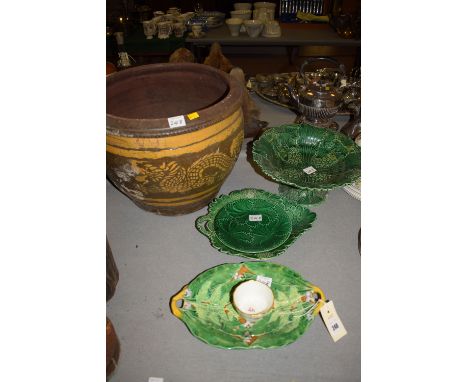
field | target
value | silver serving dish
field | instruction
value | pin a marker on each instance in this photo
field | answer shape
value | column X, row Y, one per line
column 274, row 88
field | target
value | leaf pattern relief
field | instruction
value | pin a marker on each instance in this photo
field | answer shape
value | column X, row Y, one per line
column 235, row 229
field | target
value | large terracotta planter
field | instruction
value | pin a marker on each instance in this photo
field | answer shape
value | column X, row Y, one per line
column 172, row 170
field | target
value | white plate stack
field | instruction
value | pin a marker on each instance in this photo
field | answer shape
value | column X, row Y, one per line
column 355, row 189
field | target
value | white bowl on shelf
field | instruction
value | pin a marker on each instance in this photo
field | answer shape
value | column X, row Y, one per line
column 254, row 27
column 242, row 6
column 264, row 4
column 241, row 14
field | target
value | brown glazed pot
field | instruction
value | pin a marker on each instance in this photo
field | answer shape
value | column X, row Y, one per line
column 172, row 170
column 112, row 348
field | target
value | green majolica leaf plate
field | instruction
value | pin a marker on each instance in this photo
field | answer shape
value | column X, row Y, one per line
column 254, row 223
column 210, row 316
column 286, row 153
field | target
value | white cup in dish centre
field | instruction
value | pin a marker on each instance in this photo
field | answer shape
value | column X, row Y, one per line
column 252, row 299
column 241, row 6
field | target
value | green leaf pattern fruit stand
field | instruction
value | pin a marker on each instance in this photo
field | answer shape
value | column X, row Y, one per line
column 310, row 159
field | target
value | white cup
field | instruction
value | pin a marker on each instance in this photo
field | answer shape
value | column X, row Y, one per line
column 197, row 30
column 252, row 299
column 234, row 26
column 179, row 29
column 164, row 29
column 254, row 27
column 149, row 28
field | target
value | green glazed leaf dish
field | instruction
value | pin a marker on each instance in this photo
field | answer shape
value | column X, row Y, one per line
column 308, row 157
column 254, row 223
column 308, row 197
column 209, row 314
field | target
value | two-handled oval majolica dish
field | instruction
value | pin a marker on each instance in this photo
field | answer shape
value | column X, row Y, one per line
column 208, row 311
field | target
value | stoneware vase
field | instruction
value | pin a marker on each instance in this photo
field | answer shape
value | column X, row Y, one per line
column 174, row 132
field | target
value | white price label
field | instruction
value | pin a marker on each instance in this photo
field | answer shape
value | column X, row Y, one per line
column 255, row 218
column 178, row 121
column 309, row 170
column 332, row 321
column 153, row 379
column 265, row 280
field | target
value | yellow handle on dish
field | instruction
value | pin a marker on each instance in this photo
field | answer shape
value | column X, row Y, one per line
column 321, row 300
column 174, row 299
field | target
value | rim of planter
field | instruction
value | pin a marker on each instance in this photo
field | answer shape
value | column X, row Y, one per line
column 226, row 105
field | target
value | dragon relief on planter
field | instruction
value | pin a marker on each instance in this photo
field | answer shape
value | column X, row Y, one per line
column 171, row 177
column 236, row 144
